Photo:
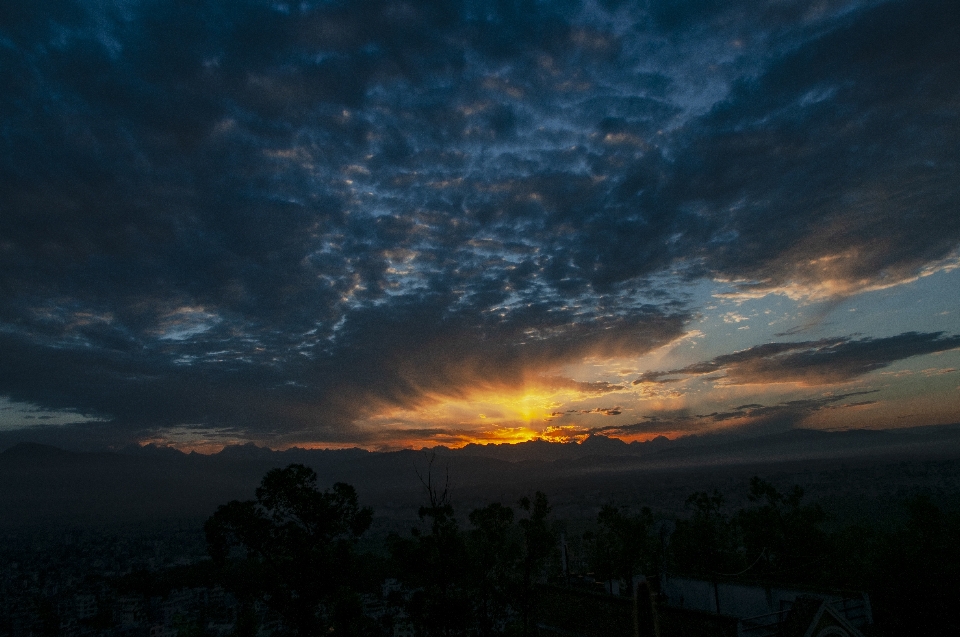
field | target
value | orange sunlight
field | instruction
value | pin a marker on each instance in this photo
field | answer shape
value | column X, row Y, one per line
column 485, row 416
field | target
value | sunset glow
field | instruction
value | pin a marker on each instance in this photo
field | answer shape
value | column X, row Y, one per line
column 394, row 226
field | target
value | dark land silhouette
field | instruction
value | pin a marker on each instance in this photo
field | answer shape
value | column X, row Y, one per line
column 43, row 485
column 497, row 540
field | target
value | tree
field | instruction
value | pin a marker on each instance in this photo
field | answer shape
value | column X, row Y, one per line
column 434, row 565
column 481, row 581
column 918, row 583
column 494, row 554
column 706, row 544
column 781, row 535
column 538, row 544
column 623, row 548
column 291, row 547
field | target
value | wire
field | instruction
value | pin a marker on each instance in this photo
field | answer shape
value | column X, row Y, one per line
column 744, row 570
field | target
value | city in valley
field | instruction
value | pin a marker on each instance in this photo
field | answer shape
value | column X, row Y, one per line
column 120, row 543
column 479, row 318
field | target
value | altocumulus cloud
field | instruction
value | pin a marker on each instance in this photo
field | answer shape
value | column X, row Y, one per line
column 279, row 218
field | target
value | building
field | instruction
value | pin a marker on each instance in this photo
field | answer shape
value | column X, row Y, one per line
column 688, row 607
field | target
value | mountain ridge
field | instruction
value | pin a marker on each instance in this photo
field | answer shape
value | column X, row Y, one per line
column 42, row 484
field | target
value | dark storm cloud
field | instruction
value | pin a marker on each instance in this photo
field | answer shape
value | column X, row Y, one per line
column 839, row 161
column 396, row 356
column 822, row 362
column 399, row 354
column 753, row 418
column 603, row 411
column 281, row 217
column 597, row 387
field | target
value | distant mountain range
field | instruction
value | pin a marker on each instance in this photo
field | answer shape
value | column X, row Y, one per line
column 40, row 484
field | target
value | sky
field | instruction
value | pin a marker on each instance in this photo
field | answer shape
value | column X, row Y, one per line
column 399, row 224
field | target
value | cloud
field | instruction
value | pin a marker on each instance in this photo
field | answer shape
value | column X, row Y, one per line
column 599, row 387
column 565, row 433
column 279, row 219
column 751, row 418
column 862, row 197
column 603, row 411
column 401, row 356
column 432, row 353
column 822, row 362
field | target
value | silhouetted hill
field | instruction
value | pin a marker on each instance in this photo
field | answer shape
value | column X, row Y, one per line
column 43, row 486
column 544, row 451
column 40, row 484
column 33, row 452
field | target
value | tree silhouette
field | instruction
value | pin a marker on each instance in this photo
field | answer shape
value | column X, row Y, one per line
column 494, row 553
column 918, row 582
column 292, row 547
column 538, row 544
column 623, row 546
column 782, row 533
column 706, row 544
column 434, row 564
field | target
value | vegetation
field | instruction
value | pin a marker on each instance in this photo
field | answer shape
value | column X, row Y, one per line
column 294, row 549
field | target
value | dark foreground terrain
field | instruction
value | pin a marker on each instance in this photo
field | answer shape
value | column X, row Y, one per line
column 113, row 543
column 45, row 486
